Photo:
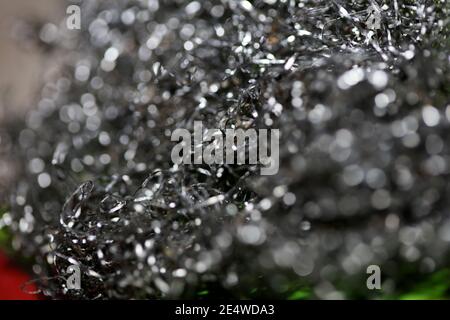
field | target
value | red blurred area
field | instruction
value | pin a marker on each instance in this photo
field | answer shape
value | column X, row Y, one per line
column 11, row 281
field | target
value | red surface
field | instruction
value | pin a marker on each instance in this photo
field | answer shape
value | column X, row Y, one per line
column 11, row 281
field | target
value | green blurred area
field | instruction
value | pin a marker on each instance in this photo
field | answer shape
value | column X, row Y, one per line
column 5, row 236
column 435, row 286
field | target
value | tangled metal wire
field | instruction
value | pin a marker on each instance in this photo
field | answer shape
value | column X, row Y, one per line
column 359, row 90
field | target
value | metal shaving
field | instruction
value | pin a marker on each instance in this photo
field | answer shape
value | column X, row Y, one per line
column 359, row 90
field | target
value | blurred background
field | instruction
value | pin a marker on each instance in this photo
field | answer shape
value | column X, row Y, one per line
column 22, row 65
